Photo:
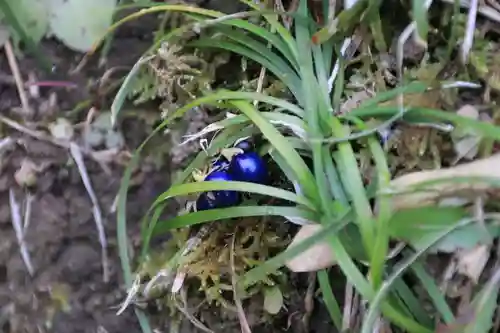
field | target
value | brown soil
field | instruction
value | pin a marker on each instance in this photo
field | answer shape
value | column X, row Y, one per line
column 67, row 293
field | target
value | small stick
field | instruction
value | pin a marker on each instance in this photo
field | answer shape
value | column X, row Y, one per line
column 131, row 295
column 260, row 83
column 309, row 300
column 27, row 212
column 11, row 58
column 348, row 304
column 96, row 210
column 245, row 328
column 15, row 212
column 184, row 309
column 44, row 137
column 469, row 32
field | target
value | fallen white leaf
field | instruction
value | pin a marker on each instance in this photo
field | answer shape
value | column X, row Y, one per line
column 466, row 143
column 471, row 262
column 468, row 111
column 486, row 167
column 316, row 257
column 467, row 147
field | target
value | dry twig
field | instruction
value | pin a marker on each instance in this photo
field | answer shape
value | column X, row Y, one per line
column 469, row 32
column 27, row 211
column 96, row 210
column 309, row 300
column 15, row 212
column 245, row 328
column 60, row 143
column 11, row 58
column 184, row 309
column 348, row 307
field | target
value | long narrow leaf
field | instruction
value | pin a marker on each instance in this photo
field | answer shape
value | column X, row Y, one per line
column 331, row 303
column 205, row 186
column 228, row 213
column 375, row 305
column 302, row 172
column 277, row 26
column 260, row 32
column 284, row 73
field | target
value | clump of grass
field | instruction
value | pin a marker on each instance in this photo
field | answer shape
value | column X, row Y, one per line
column 335, row 192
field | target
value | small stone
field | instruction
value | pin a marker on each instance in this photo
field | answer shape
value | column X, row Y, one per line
column 26, row 175
column 114, row 140
column 61, row 129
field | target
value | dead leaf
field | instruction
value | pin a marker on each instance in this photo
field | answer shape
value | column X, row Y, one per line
column 471, row 262
column 468, row 111
column 457, row 327
column 316, row 257
column 466, row 144
column 466, row 147
column 486, row 167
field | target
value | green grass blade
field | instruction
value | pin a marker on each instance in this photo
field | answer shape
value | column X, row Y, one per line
column 381, row 247
column 311, row 91
column 430, row 115
column 485, row 305
column 240, row 95
column 263, row 33
column 413, row 305
column 253, row 43
column 420, row 18
column 297, row 164
column 205, row 186
column 278, row 27
column 353, row 184
column 331, row 303
column 124, row 90
column 271, row 265
column 333, row 179
column 353, row 274
column 15, row 24
column 412, row 88
column 122, row 240
column 293, row 123
column 435, row 294
column 376, row 303
column 147, row 228
column 228, row 213
column 284, row 73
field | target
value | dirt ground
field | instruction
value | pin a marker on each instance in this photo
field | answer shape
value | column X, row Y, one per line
column 67, row 293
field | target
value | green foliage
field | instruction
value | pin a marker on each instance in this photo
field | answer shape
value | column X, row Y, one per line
column 333, row 191
column 33, row 17
column 77, row 23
